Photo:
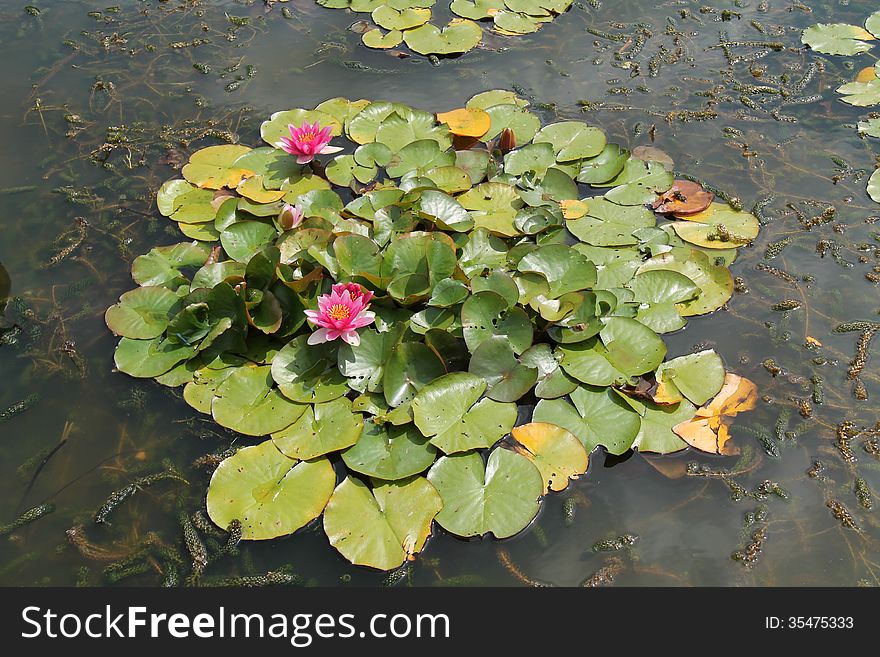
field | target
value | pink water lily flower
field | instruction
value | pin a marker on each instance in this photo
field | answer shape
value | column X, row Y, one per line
column 290, row 217
column 307, row 141
column 340, row 316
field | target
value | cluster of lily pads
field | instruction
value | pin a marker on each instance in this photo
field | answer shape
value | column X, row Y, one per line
column 409, row 22
column 500, row 269
column 864, row 91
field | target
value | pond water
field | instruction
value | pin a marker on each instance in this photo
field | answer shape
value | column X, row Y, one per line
column 100, row 105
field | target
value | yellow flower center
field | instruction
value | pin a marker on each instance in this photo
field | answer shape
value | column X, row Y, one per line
column 307, row 136
column 338, row 311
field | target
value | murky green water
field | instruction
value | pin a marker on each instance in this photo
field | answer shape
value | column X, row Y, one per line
column 59, row 163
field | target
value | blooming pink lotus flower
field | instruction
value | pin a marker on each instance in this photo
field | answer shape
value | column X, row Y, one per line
column 307, row 141
column 341, row 313
column 291, row 216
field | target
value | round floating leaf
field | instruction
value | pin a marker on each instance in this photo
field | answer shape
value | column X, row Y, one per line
column 370, row 155
column 487, row 314
column 861, row 94
column 476, row 10
column 511, row 23
column 552, row 382
column 872, row 24
column 162, row 265
column 419, row 157
column 632, row 348
column 375, row 38
column 715, row 282
column 270, row 494
column 565, row 269
column 308, row 373
column 390, row 453
column 467, row 122
column 277, row 126
column 182, row 202
column 445, row 411
column 343, row 170
column 321, row 429
column 382, row 527
column 655, row 433
column 503, row 497
column 597, row 416
column 871, row 127
column 610, row 224
column 684, row 198
column 142, row 313
column 572, row 140
column 403, row 128
column 487, row 99
column 718, row 227
column 520, row 121
column 493, row 206
column 244, row 239
column 697, row 376
column 146, row 359
column 364, row 364
column 214, row 167
column 555, row 451
column 531, row 157
column 507, row 377
column 836, row 38
column 604, row 166
column 400, row 19
column 460, row 35
column 410, row 368
column 248, row 403
column 482, row 252
column 874, row 186
column 445, row 211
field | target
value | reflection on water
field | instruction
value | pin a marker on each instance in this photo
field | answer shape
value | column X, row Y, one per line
column 108, row 102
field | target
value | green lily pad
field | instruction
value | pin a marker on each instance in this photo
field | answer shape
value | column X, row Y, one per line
column 142, row 313
column 874, row 186
column 655, row 432
column 185, row 203
column 565, row 269
column 872, row 24
column 502, row 498
column 400, row 19
column 519, row 120
column 836, row 39
column 603, row 167
column 321, row 429
column 364, row 365
column 718, row 227
column 444, row 211
column 610, row 224
column 390, row 453
column 531, row 157
column 861, row 94
column 493, row 206
column 487, row 314
column 482, row 252
column 146, row 359
column 697, row 376
column 511, row 22
column 715, row 282
column 552, row 381
column 162, row 265
column 459, row 36
column 447, row 411
column 270, row 494
column 411, row 367
column 215, row 167
column 244, row 239
column 375, row 38
column 572, row 140
column 382, row 527
column 419, row 157
column 556, row 452
column 308, row 373
column 596, row 415
column 248, row 402
column 507, row 377
column 476, row 10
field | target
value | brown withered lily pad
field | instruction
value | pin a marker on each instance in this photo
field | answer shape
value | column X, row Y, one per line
column 683, row 198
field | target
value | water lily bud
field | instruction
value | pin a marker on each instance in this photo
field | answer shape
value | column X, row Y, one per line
column 507, row 141
column 291, row 216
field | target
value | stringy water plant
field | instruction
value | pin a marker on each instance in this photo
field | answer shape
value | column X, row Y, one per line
column 409, row 22
column 396, row 313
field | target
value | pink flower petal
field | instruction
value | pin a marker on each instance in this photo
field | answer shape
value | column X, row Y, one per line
column 319, row 336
